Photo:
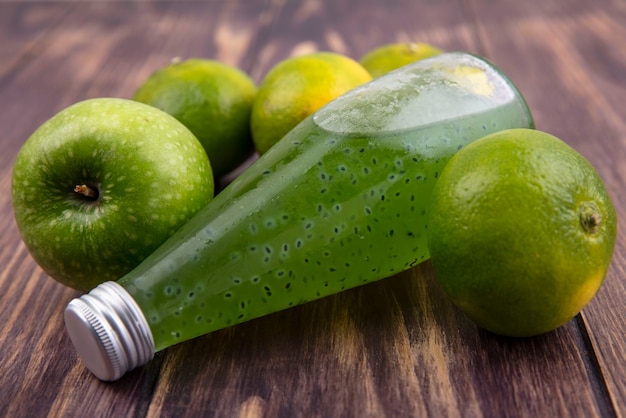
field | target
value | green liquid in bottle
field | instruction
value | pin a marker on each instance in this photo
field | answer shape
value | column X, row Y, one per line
column 341, row 201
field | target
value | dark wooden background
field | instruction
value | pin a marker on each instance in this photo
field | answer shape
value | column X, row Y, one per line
column 396, row 348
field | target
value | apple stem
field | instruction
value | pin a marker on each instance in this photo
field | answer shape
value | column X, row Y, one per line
column 85, row 191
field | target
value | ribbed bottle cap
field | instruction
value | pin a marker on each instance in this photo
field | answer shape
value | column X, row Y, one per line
column 109, row 331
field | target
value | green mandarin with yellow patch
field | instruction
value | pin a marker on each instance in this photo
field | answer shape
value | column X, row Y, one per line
column 213, row 100
column 522, row 232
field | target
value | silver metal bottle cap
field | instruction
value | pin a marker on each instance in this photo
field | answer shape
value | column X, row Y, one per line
column 109, row 331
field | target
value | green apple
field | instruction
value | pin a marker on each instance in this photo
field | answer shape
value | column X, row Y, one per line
column 100, row 185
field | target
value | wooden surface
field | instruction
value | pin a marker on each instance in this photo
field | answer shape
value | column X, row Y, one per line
column 396, row 348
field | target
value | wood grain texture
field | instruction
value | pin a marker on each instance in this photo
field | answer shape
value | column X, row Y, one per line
column 396, row 348
column 23, row 31
column 393, row 348
column 307, row 26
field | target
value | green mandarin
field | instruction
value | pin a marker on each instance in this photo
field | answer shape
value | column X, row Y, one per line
column 339, row 202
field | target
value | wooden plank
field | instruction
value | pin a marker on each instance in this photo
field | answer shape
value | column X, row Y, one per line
column 393, row 348
column 96, row 49
column 354, row 30
column 23, row 32
column 576, row 51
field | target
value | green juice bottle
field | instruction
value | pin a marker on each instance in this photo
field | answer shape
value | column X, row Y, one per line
column 341, row 201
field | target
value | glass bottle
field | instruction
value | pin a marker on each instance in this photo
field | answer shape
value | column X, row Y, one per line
column 340, row 201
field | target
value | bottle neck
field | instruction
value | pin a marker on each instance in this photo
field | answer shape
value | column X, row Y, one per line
column 109, row 331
